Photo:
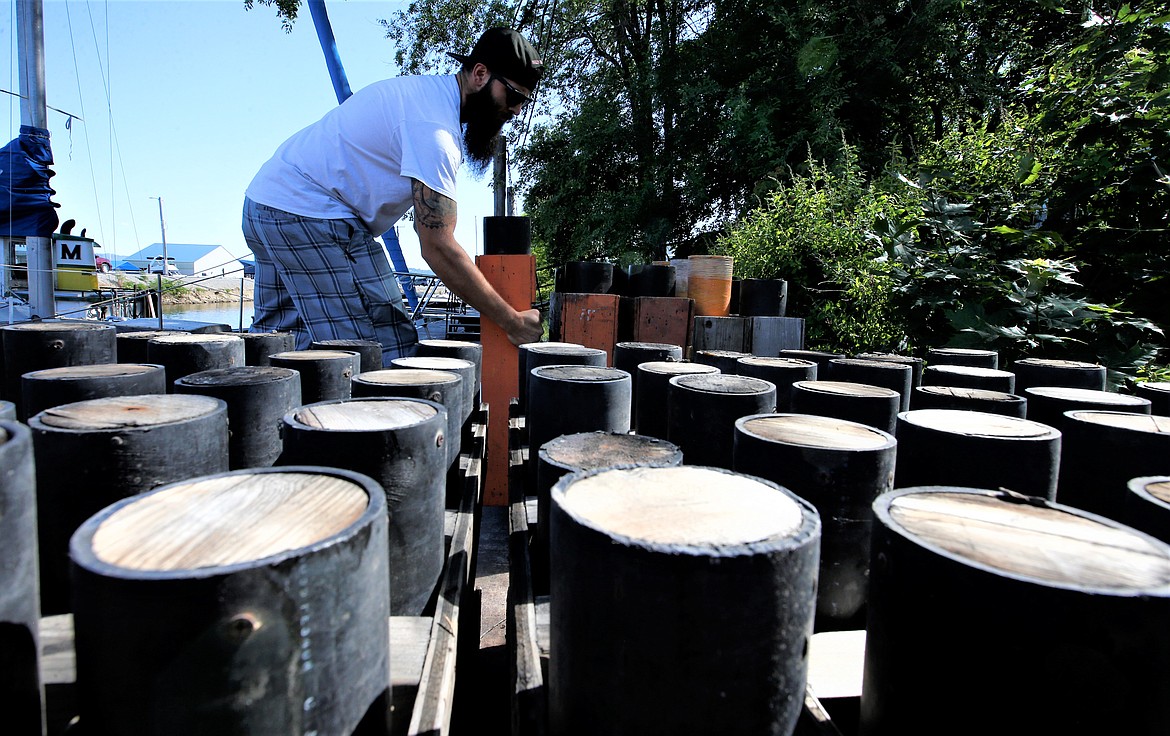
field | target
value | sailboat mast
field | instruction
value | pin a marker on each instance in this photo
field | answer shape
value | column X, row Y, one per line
column 33, row 111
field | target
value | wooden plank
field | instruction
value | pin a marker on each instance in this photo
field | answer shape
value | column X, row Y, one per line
column 528, row 676
column 769, row 335
column 409, row 639
column 542, row 629
column 590, row 320
column 58, row 663
column 528, row 698
column 58, row 671
column 433, row 704
column 721, row 333
column 814, row 719
column 835, row 660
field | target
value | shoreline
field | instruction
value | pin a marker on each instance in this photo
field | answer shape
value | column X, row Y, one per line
column 183, row 290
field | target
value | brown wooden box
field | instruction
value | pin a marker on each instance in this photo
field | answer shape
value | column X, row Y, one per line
column 585, row 319
column 664, row 319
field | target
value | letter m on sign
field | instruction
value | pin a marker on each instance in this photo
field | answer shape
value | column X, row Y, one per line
column 70, row 252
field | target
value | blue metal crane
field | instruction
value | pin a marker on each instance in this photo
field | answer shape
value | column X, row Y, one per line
column 341, row 88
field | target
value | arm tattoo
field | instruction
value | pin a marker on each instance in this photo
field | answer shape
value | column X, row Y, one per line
column 432, row 210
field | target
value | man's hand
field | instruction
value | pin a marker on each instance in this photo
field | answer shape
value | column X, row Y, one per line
column 528, row 328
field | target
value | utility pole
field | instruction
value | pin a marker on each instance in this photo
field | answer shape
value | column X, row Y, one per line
column 166, row 261
column 500, row 178
column 163, row 227
column 33, row 112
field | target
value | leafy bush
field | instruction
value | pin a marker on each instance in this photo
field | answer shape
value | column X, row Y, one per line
column 812, row 231
column 975, row 266
column 959, row 256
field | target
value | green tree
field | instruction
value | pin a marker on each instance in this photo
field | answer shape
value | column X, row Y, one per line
column 601, row 163
column 975, row 266
column 286, row 10
column 1101, row 107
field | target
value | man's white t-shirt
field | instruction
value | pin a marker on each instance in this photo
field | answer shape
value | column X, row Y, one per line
column 359, row 159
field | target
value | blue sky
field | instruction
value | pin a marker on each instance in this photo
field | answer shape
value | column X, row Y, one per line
column 201, row 92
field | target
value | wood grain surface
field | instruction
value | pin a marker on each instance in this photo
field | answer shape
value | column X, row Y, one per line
column 125, row 412
column 1034, row 540
column 228, row 520
column 682, row 506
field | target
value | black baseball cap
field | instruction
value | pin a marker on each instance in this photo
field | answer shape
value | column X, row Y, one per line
column 506, row 53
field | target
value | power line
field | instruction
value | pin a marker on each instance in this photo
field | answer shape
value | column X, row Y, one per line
column 85, row 128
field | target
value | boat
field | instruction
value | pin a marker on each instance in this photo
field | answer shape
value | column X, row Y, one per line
column 77, row 290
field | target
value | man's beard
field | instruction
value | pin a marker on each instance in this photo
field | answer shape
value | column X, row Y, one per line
column 481, row 131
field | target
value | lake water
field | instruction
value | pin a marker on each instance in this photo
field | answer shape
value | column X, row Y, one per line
column 229, row 314
column 223, row 313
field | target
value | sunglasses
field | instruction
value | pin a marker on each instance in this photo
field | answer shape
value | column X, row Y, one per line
column 512, row 95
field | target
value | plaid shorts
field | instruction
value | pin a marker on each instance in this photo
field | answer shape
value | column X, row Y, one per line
column 324, row 280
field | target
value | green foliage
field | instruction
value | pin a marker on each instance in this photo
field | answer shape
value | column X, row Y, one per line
column 545, row 275
column 1099, row 101
column 813, row 232
column 426, row 29
column 1153, row 373
column 175, row 287
column 976, row 267
column 1005, row 181
column 589, row 187
column 286, row 10
column 957, row 256
column 662, row 123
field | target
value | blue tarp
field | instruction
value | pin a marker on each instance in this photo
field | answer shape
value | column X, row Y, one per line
column 26, row 207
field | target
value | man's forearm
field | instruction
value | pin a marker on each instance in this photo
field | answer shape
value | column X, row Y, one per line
column 459, row 274
column 434, row 221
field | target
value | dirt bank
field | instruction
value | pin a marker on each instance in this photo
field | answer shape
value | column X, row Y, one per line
column 183, row 290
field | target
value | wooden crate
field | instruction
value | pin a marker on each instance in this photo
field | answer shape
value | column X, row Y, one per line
column 722, row 333
column 585, row 319
column 765, row 336
column 423, row 649
column 769, row 335
column 664, row 319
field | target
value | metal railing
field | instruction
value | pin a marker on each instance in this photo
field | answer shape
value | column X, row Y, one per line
column 436, row 303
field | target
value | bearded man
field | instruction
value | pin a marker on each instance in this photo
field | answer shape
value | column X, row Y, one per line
column 312, row 211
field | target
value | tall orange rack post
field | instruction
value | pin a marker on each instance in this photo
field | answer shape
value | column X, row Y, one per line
column 513, row 275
